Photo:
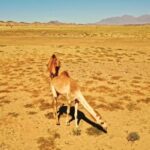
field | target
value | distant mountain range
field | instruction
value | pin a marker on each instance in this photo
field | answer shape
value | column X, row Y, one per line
column 35, row 23
column 124, row 20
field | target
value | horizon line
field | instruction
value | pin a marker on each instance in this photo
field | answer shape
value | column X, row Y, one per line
column 66, row 22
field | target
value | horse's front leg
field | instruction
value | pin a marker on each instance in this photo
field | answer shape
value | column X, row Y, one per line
column 55, row 97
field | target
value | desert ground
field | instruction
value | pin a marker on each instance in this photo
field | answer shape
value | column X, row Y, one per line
column 110, row 63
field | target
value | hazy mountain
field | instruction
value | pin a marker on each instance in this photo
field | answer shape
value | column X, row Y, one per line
column 55, row 22
column 126, row 19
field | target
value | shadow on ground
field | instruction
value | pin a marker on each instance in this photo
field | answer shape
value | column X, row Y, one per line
column 81, row 116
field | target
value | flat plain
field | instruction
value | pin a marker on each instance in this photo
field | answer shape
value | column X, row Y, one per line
column 110, row 63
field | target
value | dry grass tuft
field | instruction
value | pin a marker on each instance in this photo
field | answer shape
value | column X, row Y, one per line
column 146, row 100
column 116, row 77
column 29, row 106
column 126, row 98
column 46, row 143
column 115, row 106
column 44, row 106
column 32, row 112
column 56, row 135
column 49, row 115
column 5, row 101
column 132, row 106
column 3, row 45
column 5, row 91
column 133, row 136
column 76, row 132
column 13, row 114
column 138, row 93
column 98, row 78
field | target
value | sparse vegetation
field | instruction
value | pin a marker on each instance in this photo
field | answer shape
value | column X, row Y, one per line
column 44, row 106
column 131, row 106
column 49, row 115
column 32, row 112
column 133, row 136
column 46, row 143
column 111, row 65
column 76, row 132
column 28, row 105
column 13, row 114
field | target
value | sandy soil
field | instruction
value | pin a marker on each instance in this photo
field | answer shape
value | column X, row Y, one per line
column 112, row 66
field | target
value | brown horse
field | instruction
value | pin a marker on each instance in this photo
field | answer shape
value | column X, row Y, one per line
column 65, row 85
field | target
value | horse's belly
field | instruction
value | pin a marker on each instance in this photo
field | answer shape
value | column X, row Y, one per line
column 63, row 90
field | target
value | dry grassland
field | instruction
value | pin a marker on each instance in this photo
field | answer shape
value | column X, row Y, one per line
column 110, row 63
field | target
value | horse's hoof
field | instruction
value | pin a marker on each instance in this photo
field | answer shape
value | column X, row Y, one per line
column 57, row 123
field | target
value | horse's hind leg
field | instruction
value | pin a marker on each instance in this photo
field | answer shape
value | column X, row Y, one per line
column 68, row 111
column 76, row 113
column 56, row 111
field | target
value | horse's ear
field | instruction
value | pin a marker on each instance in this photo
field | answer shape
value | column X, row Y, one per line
column 65, row 73
column 53, row 56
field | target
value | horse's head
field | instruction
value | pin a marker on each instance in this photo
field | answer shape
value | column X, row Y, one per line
column 54, row 66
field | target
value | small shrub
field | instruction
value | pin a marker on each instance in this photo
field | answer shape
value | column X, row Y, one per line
column 28, row 106
column 56, row 136
column 76, row 132
column 133, row 136
column 45, row 143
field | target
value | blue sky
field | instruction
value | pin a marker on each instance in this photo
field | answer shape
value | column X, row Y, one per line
column 79, row 11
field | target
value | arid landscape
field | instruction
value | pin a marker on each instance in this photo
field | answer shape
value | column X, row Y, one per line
column 110, row 63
